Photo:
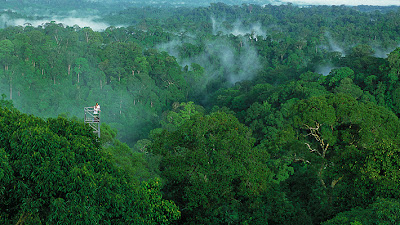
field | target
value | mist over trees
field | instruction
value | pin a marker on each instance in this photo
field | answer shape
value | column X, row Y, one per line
column 211, row 114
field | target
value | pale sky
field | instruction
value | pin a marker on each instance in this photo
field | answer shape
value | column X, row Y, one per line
column 345, row 2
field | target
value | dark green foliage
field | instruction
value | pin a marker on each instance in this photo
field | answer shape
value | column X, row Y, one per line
column 383, row 211
column 337, row 75
column 352, row 148
column 6, row 103
column 54, row 171
column 214, row 173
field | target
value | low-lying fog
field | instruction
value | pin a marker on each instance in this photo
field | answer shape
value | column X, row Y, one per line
column 90, row 21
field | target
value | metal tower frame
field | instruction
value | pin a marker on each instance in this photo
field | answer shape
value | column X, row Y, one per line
column 93, row 120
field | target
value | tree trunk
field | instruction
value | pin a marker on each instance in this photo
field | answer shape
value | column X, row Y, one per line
column 87, row 37
column 11, row 88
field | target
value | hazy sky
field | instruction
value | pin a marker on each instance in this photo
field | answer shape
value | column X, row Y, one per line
column 346, row 2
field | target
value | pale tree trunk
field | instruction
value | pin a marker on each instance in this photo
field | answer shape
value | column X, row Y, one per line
column 314, row 132
column 11, row 87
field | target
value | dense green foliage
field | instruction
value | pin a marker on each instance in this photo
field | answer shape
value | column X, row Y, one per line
column 54, row 171
column 221, row 114
column 384, row 211
column 213, row 171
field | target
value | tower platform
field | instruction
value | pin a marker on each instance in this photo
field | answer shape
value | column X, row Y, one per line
column 93, row 119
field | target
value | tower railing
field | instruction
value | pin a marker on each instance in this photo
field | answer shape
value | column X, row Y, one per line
column 93, row 119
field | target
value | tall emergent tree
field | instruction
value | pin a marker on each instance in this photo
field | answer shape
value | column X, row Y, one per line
column 216, row 175
column 351, row 147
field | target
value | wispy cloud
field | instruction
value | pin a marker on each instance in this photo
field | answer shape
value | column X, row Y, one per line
column 237, row 28
column 333, row 46
column 90, row 21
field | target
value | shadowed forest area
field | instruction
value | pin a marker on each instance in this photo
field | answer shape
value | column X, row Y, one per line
column 211, row 114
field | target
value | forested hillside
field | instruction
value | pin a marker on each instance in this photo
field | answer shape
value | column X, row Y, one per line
column 55, row 171
column 223, row 114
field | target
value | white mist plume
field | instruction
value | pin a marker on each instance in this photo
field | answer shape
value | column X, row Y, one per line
column 3, row 21
column 237, row 28
column 170, row 47
column 248, row 64
column 71, row 20
column 383, row 53
column 324, row 69
column 333, row 45
column 221, row 59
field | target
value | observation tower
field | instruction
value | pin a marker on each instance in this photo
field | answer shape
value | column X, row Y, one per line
column 93, row 119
